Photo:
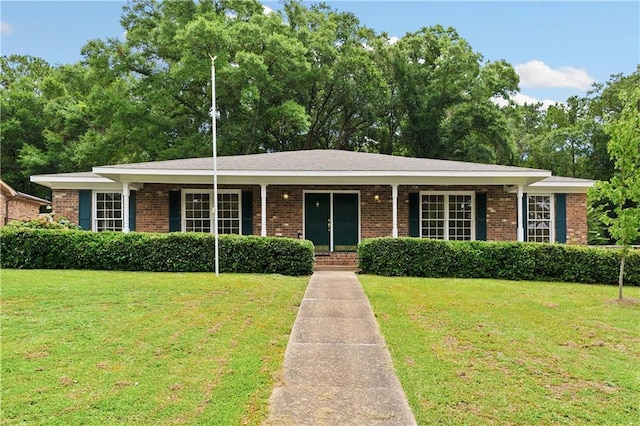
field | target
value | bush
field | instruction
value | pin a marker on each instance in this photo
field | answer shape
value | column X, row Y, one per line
column 501, row 260
column 176, row 252
column 45, row 221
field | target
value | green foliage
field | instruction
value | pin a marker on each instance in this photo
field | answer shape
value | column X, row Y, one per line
column 175, row 252
column 502, row 260
column 620, row 196
column 622, row 191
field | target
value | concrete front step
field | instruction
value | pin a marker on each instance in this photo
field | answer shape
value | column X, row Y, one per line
column 337, row 259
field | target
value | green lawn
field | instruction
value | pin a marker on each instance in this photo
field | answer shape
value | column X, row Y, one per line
column 85, row 347
column 497, row 352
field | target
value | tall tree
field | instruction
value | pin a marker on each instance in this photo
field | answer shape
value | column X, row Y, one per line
column 622, row 191
column 446, row 98
column 22, row 105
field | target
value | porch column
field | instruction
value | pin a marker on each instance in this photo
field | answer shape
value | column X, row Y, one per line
column 125, row 208
column 394, row 199
column 520, row 219
column 263, row 210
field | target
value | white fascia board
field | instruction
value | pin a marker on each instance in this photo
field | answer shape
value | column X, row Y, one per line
column 566, row 184
column 62, row 179
column 555, row 187
column 67, row 182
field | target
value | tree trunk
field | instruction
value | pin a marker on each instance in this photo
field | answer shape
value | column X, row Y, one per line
column 620, row 277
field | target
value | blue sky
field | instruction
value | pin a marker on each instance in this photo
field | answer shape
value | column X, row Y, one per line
column 557, row 48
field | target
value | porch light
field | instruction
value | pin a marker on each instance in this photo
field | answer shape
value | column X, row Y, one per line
column 285, row 196
column 376, row 198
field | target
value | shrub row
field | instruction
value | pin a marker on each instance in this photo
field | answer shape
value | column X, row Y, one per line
column 501, row 260
column 174, row 252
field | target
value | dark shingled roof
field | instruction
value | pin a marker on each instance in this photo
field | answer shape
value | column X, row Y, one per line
column 321, row 161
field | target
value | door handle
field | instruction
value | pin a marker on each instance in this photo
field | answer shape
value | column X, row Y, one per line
column 329, row 225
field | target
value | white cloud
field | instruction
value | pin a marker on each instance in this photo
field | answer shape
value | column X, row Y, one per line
column 538, row 74
column 6, row 28
column 522, row 99
column 266, row 10
column 393, row 40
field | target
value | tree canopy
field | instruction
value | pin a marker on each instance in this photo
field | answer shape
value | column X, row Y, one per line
column 304, row 77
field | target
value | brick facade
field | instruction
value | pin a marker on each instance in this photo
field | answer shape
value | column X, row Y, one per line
column 17, row 209
column 65, row 203
column 577, row 218
column 284, row 216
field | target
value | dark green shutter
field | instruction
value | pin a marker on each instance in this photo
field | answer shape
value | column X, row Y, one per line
column 414, row 214
column 174, row 211
column 561, row 218
column 481, row 216
column 247, row 212
column 132, row 210
column 525, row 216
column 84, row 209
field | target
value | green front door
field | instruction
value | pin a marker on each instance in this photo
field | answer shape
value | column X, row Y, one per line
column 332, row 232
column 345, row 222
column 317, row 220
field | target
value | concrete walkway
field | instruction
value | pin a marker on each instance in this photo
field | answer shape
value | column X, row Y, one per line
column 337, row 369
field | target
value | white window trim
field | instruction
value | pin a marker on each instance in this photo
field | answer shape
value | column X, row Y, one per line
column 552, row 218
column 94, row 207
column 183, row 216
column 446, row 210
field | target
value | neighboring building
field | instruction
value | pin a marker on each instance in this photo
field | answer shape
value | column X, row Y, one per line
column 15, row 205
column 333, row 198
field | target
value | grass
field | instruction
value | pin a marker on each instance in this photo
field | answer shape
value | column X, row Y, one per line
column 497, row 352
column 142, row 348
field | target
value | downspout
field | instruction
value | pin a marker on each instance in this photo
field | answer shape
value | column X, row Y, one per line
column 6, row 210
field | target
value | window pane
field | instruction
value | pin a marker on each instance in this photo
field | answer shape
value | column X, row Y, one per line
column 459, row 217
column 108, row 212
column 229, row 213
column 197, row 208
column 433, row 215
column 539, row 218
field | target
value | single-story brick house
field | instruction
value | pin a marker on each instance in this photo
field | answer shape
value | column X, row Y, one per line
column 16, row 205
column 333, row 198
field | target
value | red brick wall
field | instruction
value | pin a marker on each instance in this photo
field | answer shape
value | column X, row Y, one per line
column 65, row 203
column 17, row 210
column 284, row 217
column 501, row 209
column 576, row 218
column 152, row 205
column 502, row 215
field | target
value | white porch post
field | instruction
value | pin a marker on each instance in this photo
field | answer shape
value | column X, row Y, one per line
column 263, row 210
column 520, row 224
column 394, row 198
column 125, row 208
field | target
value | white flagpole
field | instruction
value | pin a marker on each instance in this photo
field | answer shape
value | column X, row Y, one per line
column 215, row 163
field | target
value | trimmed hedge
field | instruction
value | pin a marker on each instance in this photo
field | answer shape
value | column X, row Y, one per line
column 501, row 260
column 173, row 252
